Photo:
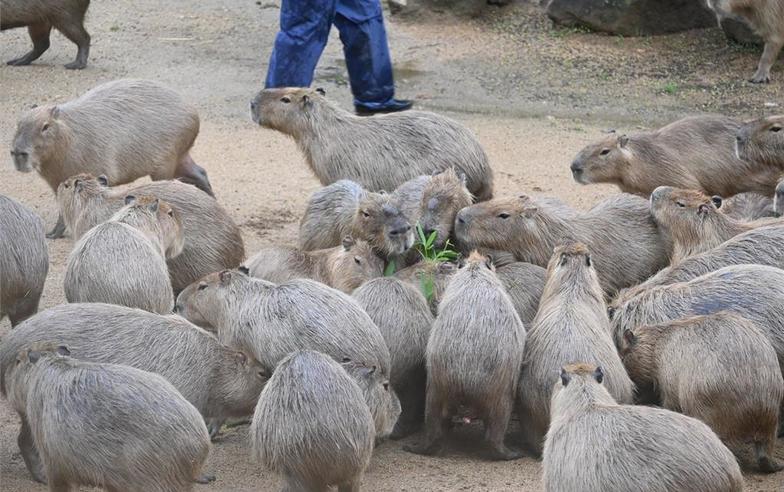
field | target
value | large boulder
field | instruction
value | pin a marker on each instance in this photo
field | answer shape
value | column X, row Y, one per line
column 633, row 17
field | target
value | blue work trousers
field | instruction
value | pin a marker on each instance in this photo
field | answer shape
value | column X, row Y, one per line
column 304, row 31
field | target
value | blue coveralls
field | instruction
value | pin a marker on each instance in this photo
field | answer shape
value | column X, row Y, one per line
column 304, row 31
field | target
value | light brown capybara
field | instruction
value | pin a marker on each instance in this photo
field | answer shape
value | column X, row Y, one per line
column 695, row 153
column 695, row 221
column 40, row 16
column 734, row 386
column 596, row 444
column 762, row 140
column 430, row 277
column 524, row 282
column 212, row 242
column 379, row 153
column 329, row 215
column 624, row 239
column 24, row 261
column 124, row 129
column 571, row 325
column 344, row 267
column 749, row 206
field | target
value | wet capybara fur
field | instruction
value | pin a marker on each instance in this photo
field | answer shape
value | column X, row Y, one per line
column 690, row 373
column 695, row 153
column 597, row 444
column 24, row 260
column 380, row 153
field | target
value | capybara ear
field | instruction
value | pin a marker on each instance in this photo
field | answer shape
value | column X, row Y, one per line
column 565, row 377
column 225, row 277
column 33, row 356
column 703, row 209
column 462, row 177
column 63, row 350
column 306, row 101
column 717, row 201
column 55, row 112
column 130, row 199
column 153, row 207
column 610, row 312
column 345, row 360
column 623, row 140
column 78, row 185
column 321, row 91
column 241, row 358
column 243, row 269
column 489, row 262
column 529, row 212
column 348, row 243
column 598, row 374
column 103, row 180
column 629, row 337
column 588, row 260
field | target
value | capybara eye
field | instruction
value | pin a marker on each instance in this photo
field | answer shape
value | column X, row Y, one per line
column 680, row 204
column 503, row 215
column 386, row 386
column 171, row 213
column 775, row 129
column 45, row 127
column 202, row 286
column 365, row 214
column 588, row 261
column 604, row 152
column 357, row 260
column 285, row 99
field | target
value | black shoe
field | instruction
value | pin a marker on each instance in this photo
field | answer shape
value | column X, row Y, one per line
column 393, row 106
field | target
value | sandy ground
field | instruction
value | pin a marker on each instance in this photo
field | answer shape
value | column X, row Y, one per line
column 533, row 94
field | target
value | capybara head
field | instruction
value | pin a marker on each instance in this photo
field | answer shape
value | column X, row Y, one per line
column 205, row 301
column 287, row 109
column 498, row 224
column 603, row 161
column 476, row 261
column 40, row 134
column 575, row 378
column 778, row 199
column 762, row 140
column 443, row 196
column 76, row 191
column 26, row 359
column 690, row 217
column 381, row 222
column 571, row 267
column 379, row 395
column 157, row 217
column 354, row 264
column 243, row 379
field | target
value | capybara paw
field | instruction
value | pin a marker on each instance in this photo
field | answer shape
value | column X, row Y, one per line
column 760, row 79
column 18, row 62
column 422, row 448
column 769, row 465
column 506, row 454
column 205, row 479
column 76, row 65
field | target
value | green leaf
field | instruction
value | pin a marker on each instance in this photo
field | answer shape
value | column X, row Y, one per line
column 390, row 269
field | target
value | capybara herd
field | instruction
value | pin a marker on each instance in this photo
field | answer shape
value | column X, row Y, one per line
column 638, row 345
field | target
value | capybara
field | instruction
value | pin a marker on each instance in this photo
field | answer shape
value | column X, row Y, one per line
column 762, row 140
column 402, row 314
column 473, row 358
column 749, row 206
column 24, row 260
column 778, row 200
column 270, row 321
column 760, row 246
column 343, row 267
column 380, row 221
column 755, row 292
column 40, row 16
column 378, row 394
column 695, row 222
column 312, row 425
column 595, row 444
column 570, row 326
column 212, row 240
column 379, row 153
column 736, row 387
column 695, row 153
column 329, row 214
column 619, row 231
column 218, row 381
column 123, row 260
column 766, row 18
column 524, row 282
column 426, row 275
column 107, row 425
column 124, row 130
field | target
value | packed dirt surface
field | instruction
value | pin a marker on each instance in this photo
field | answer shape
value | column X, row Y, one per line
column 533, row 94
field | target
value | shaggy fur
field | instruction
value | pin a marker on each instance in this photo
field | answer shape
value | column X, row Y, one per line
column 329, row 214
column 749, row 206
column 524, row 283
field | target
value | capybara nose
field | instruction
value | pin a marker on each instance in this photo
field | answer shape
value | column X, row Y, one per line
column 400, row 230
column 253, row 105
column 461, row 218
column 576, row 167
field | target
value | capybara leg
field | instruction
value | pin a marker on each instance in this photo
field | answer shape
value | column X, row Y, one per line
column 765, row 462
column 30, row 454
column 74, row 31
column 59, row 485
column 349, row 487
column 59, row 229
column 214, row 427
column 24, row 308
column 39, row 34
column 294, row 485
column 436, row 424
column 412, row 401
column 496, row 422
column 189, row 172
column 766, row 61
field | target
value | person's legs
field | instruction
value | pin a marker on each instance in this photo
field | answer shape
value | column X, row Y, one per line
column 304, row 31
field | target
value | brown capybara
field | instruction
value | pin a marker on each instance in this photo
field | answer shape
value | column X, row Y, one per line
column 695, row 222
column 312, row 425
column 124, row 130
column 570, row 326
column 760, row 246
column 107, row 425
column 734, row 386
column 524, row 282
column 379, row 153
column 695, row 153
column 749, row 206
column 344, row 267
column 40, row 16
column 474, row 357
column 596, row 444
column 380, row 221
column 762, row 140
column 218, row 381
column 402, row 314
column 270, row 321
column 430, row 277
column 766, row 18
column 329, row 214
column 24, row 260
column 123, row 260
column 755, row 292
column 213, row 240
column 619, row 231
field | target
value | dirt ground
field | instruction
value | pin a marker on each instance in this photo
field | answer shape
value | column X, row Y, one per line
column 533, row 94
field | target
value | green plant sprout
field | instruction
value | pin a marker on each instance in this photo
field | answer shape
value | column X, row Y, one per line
column 426, row 248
